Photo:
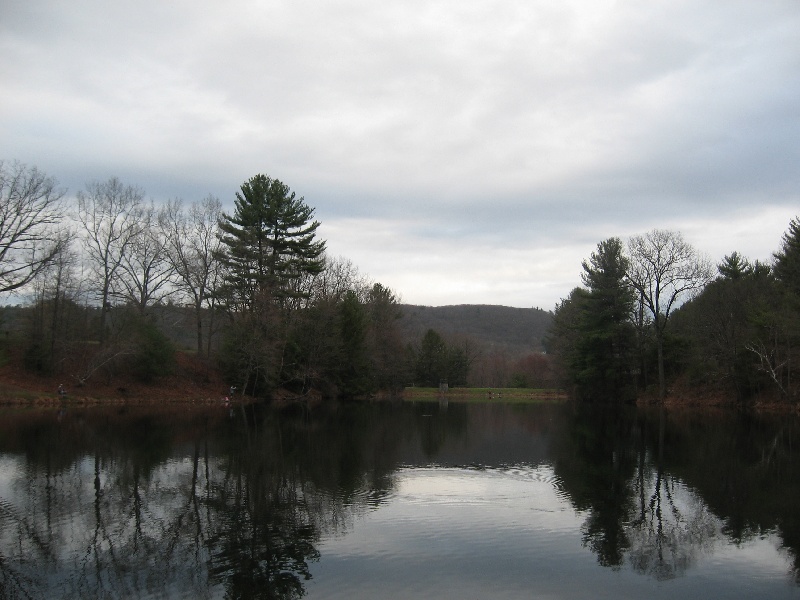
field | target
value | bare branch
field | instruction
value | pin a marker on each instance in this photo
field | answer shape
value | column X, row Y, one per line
column 31, row 211
column 768, row 364
column 665, row 270
column 111, row 215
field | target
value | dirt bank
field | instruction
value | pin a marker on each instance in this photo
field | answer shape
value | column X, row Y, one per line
column 194, row 380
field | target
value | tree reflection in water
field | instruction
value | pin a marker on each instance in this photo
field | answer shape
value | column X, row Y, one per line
column 660, row 490
column 159, row 526
column 668, row 532
column 262, row 535
column 199, row 503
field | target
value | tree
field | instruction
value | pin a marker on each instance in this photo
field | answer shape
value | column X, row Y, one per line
column 431, row 360
column 30, row 213
column 56, row 318
column 153, row 354
column 734, row 266
column 354, row 372
column 110, row 213
column 457, row 366
column 787, row 259
column 779, row 357
column 268, row 243
column 338, row 276
column 436, row 361
column 192, row 245
column 564, row 334
column 268, row 254
column 608, row 334
column 146, row 271
column 384, row 341
column 592, row 333
column 732, row 314
column 664, row 270
column 321, row 334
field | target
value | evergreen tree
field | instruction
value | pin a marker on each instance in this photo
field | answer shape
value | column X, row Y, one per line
column 592, row 332
column 268, row 244
column 268, row 249
column 457, row 366
column 608, row 334
column 384, row 340
column 734, row 266
column 787, row 260
column 733, row 313
column 431, row 360
column 604, row 275
column 436, row 361
column 562, row 340
column 780, row 359
column 354, row 374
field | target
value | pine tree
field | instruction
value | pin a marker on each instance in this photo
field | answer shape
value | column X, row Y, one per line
column 734, row 266
column 608, row 335
column 592, row 330
column 787, row 260
column 268, row 244
column 354, row 371
column 268, row 248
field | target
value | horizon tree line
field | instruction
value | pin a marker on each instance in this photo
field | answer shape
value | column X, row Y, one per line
column 275, row 310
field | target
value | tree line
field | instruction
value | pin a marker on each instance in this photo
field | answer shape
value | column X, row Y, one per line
column 655, row 312
column 268, row 304
column 272, row 309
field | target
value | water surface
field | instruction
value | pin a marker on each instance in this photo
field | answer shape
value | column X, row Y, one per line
column 406, row 500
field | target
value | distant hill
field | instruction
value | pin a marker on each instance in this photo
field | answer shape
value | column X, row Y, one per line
column 519, row 330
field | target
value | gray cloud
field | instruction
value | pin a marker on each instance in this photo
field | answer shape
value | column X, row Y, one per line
column 490, row 146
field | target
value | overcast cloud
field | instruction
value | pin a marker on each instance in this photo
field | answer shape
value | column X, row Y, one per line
column 458, row 152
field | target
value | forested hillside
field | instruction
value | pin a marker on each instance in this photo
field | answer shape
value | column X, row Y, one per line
column 517, row 330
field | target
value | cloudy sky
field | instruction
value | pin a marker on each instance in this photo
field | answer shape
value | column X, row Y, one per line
column 458, row 152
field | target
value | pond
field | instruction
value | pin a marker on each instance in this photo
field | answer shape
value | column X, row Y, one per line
column 405, row 500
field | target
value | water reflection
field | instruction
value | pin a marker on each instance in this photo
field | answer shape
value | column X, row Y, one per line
column 660, row 489
column 204, row 502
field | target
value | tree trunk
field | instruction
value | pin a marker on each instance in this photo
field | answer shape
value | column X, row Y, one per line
column 198, row 311
column 662, row 385
column 103, row 314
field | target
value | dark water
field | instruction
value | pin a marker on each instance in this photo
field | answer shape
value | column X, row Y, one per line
column 398, row 501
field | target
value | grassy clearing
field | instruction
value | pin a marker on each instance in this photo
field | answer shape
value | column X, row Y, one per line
column 509, row 395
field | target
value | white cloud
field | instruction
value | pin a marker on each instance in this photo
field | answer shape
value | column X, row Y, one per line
column 498, row 143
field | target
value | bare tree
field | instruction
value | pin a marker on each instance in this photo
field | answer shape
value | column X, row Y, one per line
column 665, row 270
column 55, row 322
column 338, row 277
column 30, row 213
column 192, row 242
column 146, row 270
column 110, row 213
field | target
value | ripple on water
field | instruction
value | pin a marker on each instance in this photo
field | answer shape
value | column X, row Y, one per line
column 532, row 486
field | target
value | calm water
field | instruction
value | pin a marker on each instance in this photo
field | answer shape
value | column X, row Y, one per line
column 398, row 501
